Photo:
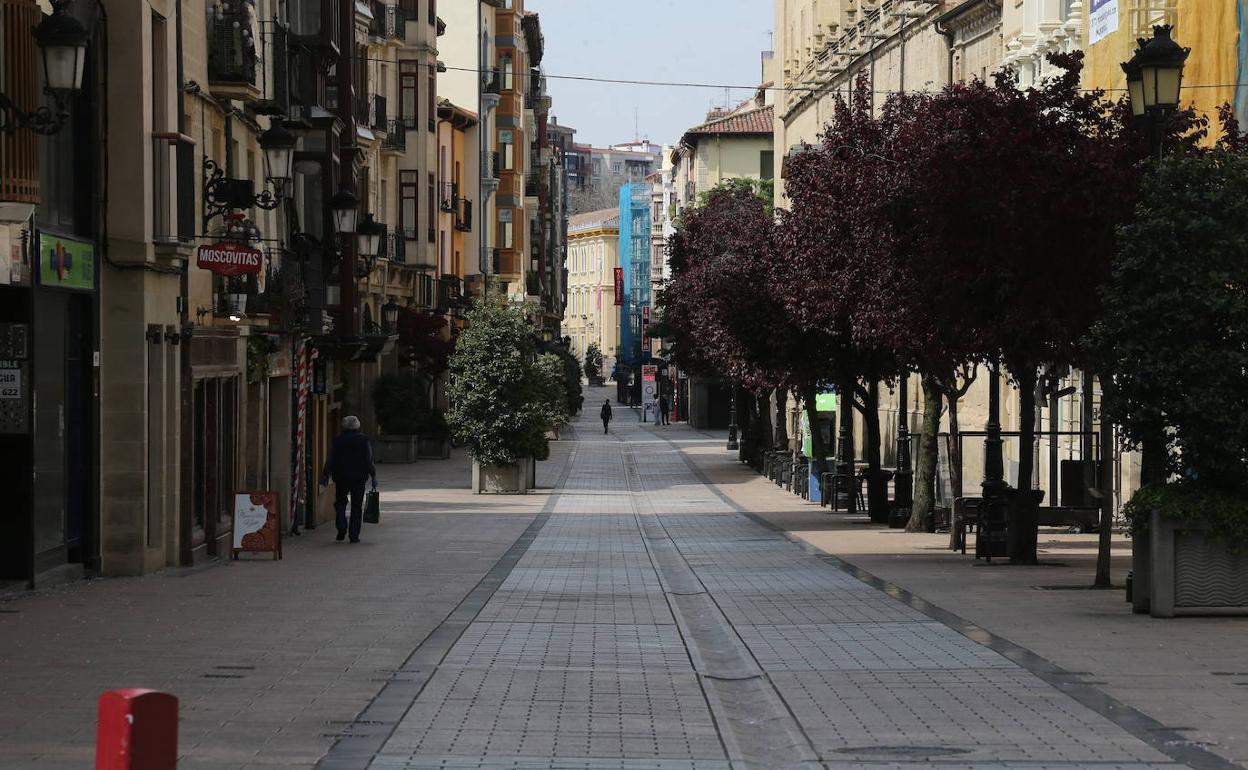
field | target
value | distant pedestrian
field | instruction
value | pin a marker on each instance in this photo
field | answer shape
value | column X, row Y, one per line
column 606, row 415
column 350, row 465
column 665, row 410
column 654, row 409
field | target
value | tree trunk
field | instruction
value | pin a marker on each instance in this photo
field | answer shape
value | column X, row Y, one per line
column 1105, row 535
column 764, row 433
column 1024, row 525
column 782, row 417
column 955, row 468
column 1026, row 425
column 817, row 446
column 877, row 484
column 925, row 470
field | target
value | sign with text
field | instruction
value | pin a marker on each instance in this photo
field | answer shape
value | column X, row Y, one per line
column 648, row 372
column 645, row 329
column 1102, row 20
column 10, row 383
column 66, row 263
column 619, row 286
column 230, row 258
column 257, row 523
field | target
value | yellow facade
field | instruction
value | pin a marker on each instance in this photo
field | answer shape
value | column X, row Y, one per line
column 1209, row 27
column 593, row 256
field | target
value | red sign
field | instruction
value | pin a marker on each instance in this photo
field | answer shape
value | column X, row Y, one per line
column 230, row 258
column 645, row 313
column 648, row 372
column 619, row 286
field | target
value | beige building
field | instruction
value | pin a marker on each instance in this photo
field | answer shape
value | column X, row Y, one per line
column 593, row 256
column 731, row 144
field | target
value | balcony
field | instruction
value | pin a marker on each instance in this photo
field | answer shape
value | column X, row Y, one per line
column 389, row 22
column 232, row 59
column 496, row 165
column 448, row 197
column 314, row 24
column 534, row 183
column 397, row 246
column 396, row 136
column 463, row 217
column 450, row 293
column 371, row 112
column 493, row 82
column 532, row 284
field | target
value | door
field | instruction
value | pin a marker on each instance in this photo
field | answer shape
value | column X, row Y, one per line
column 79, row 475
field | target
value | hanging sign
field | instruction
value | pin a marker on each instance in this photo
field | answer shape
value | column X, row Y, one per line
column 230, row 258
column 1102, row 20
column 619, row 286
column 645, row 329
column 257, row 523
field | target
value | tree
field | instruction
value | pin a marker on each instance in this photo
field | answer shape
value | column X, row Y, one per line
column 593, row 362
column 504, row 394
column 1175, row 329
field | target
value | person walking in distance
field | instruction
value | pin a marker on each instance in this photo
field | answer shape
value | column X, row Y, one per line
column 606, row 415
column 665, row 410
column 350, row 465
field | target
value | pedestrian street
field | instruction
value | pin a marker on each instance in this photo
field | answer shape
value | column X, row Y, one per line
column 644, row 622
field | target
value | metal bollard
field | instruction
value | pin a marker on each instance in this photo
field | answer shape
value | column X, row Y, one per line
column 137, row 730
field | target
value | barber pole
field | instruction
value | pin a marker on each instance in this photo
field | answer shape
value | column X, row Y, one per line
column 298, row 492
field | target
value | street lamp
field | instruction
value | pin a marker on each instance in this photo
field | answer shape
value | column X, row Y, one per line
column 62, row 42
column 1154, row 79
column 390, row 315
column 368, row 238
column 733, row 443
column 346, row 208
column 278, row 145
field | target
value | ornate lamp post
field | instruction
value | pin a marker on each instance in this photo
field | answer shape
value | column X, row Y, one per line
column 346, row 209
column 1154, row 79
column 903, row 483
column 62, row 42
column 390, row 316
column 733, row 443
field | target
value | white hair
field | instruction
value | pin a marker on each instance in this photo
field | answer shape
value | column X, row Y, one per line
column 351, row 422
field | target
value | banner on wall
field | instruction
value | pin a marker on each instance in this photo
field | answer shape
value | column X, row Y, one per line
column 1102, row 20
column 619, row 286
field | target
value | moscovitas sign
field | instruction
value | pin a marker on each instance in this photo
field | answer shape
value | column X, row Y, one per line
column 230, row 258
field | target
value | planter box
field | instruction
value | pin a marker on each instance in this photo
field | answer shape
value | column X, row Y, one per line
column 395, row 449
column 433, row 447
column 502, row 479
column 1190, row 573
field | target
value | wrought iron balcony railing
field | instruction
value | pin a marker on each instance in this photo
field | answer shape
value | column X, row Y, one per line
column 396, row 135
column 448, row 196
column 463, row 217
column 232, row 47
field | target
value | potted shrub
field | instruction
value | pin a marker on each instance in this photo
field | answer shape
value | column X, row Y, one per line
column 505, row 395
column 1175, row 337
column 593, row 365
column 399, row 400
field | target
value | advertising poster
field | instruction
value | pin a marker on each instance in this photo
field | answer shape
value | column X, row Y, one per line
column 66, row 263
column 1102, row 20
column 256, row 523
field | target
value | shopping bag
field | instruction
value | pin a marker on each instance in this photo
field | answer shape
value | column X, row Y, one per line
column 372, row 507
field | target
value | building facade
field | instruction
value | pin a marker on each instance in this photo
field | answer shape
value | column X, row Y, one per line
column 593, row 313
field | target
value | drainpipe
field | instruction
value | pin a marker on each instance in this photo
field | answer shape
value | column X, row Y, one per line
column 948, row 35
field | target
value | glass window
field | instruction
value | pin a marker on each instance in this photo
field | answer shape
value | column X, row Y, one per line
column 504, row 228
column 409, row 91
column 507, row 141
column 409, row 203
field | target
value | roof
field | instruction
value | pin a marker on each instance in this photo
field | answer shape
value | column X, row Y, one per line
column 591, row 220
column 760, row 120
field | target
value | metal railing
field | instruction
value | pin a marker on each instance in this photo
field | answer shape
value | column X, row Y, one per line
column 398, row 246
column 448, row 196
column 231, row 54
column 396, row 135
column 534, row 183
column 463, row 217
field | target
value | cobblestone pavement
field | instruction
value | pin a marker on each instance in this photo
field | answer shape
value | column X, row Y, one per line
column 647, row 622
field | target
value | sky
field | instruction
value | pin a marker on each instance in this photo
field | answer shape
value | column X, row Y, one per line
column 664, row 40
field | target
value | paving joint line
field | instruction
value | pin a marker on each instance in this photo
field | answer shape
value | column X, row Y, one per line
column 354, row 750
column 753, row 716
column 1134, row 722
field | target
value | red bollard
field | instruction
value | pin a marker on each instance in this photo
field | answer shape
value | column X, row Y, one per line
column 138, row 730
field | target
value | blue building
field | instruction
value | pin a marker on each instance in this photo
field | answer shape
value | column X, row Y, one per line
column 635, row 261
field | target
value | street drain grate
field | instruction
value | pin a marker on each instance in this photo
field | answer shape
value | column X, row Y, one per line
column 904, row 752
column 223, row 676
column 235, row 668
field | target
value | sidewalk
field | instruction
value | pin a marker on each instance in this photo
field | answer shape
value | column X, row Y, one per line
column 1188, row 674
column 269, row 659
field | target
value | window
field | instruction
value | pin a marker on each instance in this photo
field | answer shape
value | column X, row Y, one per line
column 617, row 168
column 409, row 202
column 408, row 92
column 433, row 11
column 433, row 97
column 767, row 164
column 432, row 206
column 507, row 141
column 508, row 68
column 504, row 229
